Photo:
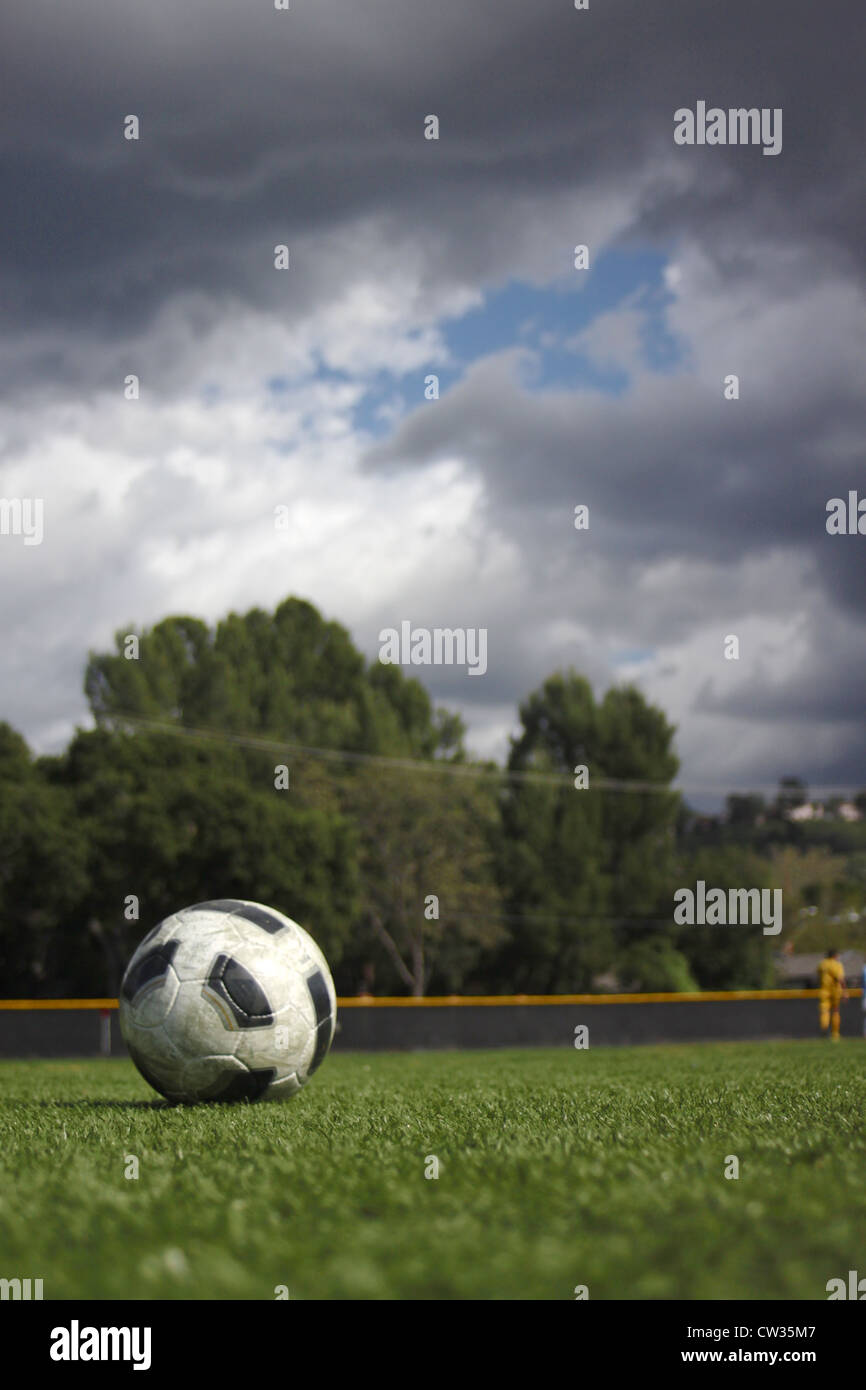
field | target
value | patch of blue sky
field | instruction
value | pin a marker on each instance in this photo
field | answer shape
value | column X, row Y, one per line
column 542, row 319
column 663, row 351
column 557, row 368
column 277, row 385
column 280, row 384
column 545, row 318
column 387, row 397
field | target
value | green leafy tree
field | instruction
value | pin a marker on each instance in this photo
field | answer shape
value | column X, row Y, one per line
column 584, row 870
column 555, row 887
column 726, row 957
column 290, row 675
column 430, row 901
column 262, row 687
column 655, row 966
column 170, row 823
column 43, row 873
column 744, row 810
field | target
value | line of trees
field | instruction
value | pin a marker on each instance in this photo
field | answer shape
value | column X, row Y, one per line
column 412, row 880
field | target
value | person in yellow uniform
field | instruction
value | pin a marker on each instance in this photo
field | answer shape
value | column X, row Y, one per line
column 831, row 983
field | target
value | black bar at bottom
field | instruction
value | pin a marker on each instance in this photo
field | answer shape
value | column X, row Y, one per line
column 59, row 1339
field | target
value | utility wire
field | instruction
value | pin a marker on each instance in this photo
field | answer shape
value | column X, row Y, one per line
column 470, row 770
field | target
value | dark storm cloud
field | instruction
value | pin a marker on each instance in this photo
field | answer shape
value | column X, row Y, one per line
column 259, row 126
column 709, row 478
column 675, row 476
column 826, row 692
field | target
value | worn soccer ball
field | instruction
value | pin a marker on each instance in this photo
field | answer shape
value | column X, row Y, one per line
column 227, row 1000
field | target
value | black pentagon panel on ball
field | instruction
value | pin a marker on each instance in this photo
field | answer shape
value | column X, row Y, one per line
column 226, row 905
column 246, row 1085
column 269, row 921
column 150, row 970
column 324, row 1018
column 235, row 986
column 150, row 935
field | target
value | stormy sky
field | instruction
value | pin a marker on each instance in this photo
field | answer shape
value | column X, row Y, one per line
column 408, row 257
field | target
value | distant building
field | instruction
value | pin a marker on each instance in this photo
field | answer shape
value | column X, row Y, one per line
column 607, row 983
column 814, row 810
column 801, row 971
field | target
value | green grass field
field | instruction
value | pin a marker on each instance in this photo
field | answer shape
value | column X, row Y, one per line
column 603, row 1168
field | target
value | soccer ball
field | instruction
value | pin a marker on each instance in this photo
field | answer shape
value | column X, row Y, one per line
column 227, row 1000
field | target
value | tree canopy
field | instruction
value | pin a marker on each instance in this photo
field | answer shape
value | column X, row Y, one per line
column 264, row 758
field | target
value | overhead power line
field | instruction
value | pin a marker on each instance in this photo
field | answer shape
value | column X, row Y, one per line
column 468, row 770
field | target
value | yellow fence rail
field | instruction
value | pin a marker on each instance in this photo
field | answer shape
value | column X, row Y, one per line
column 364, row 1001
